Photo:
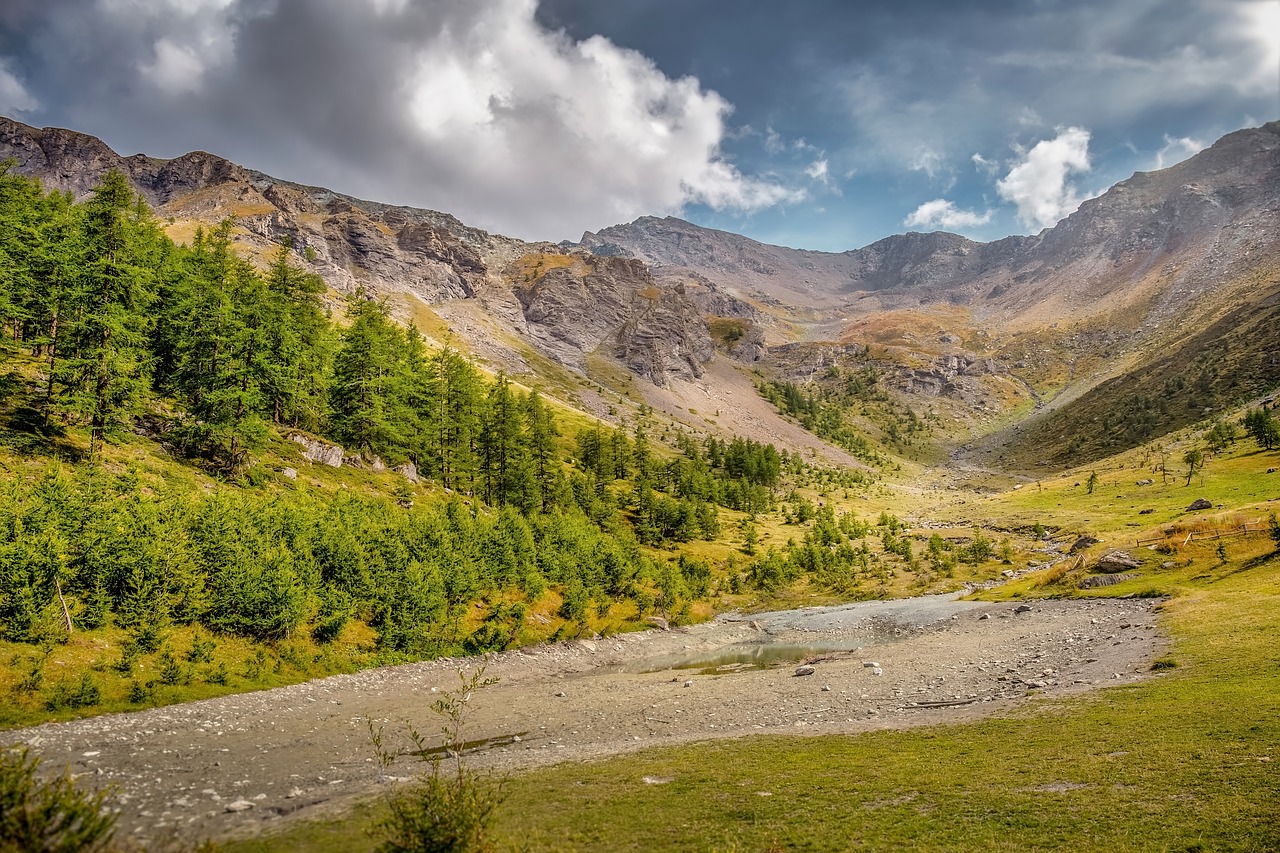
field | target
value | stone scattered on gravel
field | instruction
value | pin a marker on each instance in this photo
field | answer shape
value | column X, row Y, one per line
column 659, row 623
column 1022, row 608
column 870, row 664
column 805, row 669
column 240, row 805
column 984, row 616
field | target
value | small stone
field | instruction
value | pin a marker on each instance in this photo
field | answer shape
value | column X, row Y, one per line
column 984, row 616
column 91, row 753
column 560, row 694
column 826, row 688
column 688, row 683
column 870, row 664
column 290, row 473
column 1022, row 608
column 805, row 669
column 293, row 794
column 240, row 805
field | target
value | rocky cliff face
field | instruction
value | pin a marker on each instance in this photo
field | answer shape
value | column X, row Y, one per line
column 576, row 304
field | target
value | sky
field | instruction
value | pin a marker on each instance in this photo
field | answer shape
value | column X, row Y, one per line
column 817, row 124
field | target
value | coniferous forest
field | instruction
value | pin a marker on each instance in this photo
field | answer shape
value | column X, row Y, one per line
column 111, row 329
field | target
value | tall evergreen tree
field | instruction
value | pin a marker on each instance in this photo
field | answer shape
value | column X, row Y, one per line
column 105, row 371
column 298, row 343
column 541, row 430
column 454, row 427
column 504, row 455
column 363, row 397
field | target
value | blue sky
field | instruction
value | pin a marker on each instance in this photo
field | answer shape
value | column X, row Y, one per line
column 821, row 124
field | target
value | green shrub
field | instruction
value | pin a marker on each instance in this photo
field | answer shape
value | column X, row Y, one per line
column 52, row 816
column 450, row 809
column 86, row 694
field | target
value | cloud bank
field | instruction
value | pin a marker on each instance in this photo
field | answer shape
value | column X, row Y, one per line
column 467, row 106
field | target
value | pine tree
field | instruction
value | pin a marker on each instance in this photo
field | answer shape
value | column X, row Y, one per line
column 504, row 456
column 452, row 431
column 363, row 396
column 105, row 372
column 545, row 461
column 299, row 343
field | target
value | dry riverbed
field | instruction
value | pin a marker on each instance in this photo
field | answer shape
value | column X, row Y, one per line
column 229, row 766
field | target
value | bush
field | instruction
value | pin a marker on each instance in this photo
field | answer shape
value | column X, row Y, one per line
column 450, row 809
column 51, row 816
column 86, row 694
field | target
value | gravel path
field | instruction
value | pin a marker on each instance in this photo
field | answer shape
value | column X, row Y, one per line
column 225, row 767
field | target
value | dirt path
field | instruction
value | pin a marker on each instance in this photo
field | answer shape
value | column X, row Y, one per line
column 225, row 767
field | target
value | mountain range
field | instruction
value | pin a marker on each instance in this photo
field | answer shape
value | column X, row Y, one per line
column 1155, row 304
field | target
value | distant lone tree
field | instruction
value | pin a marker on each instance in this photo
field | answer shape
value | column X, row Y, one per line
column 1092, row 483
column 1195, row 462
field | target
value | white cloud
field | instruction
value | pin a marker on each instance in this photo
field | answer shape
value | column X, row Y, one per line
column 926, row 160
column 943, row 213
column 985, row 166
column 1039, row 184
column 14, row 97
column 566, row 135
column 819, row 170
column 1177, row 150
column 1258, row 23
column 773, row 142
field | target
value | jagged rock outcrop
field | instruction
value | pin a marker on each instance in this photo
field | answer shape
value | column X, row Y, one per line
column 580, row 303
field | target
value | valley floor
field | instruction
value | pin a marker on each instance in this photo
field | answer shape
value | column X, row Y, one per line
column 232, row 766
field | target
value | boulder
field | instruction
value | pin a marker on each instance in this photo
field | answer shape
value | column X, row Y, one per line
column 1114, row 562
column 320, row 452
column 1199, row 504
column 1082, row 543
column 408, row 470
column 1098, row 581
column 805, row 669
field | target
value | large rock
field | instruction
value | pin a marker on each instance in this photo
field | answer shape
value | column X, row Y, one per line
column 1114, row 562
column 1082, row 543
column 1099, row 581
column 320, row 452
column 1199, row 504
